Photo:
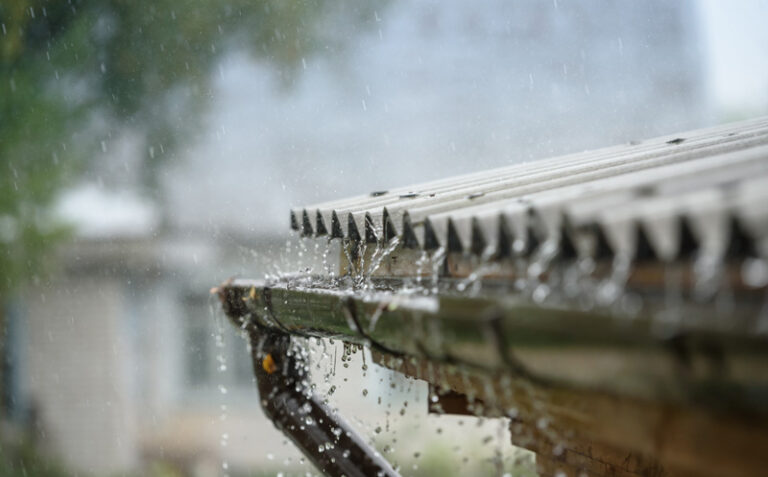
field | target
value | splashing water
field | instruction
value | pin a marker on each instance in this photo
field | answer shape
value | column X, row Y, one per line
column 221, row 360
column 380, row 254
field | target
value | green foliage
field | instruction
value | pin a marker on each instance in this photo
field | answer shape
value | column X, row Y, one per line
column 438, row 460
column 74, row 73
column 27, row 461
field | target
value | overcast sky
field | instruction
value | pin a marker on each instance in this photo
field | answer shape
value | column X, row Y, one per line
column 736, row 35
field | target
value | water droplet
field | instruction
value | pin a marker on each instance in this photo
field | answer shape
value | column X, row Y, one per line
column 540, row 293
column 754, row 272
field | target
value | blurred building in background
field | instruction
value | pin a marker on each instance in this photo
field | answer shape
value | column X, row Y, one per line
column 117, row 357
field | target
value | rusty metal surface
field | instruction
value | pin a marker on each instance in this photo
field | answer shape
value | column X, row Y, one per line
column 650, row 396
column 582, row 432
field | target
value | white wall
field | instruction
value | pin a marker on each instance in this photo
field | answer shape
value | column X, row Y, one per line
column 75, row 374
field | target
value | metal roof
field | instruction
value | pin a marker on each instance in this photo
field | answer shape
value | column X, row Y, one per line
column 660, row 198
column 666, row 328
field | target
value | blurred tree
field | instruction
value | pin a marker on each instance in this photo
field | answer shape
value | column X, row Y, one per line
column 75, row 73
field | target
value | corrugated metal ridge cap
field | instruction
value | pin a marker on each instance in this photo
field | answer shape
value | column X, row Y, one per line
column 552, row 214
column 546, row 182
column 535, row 180
column 316, row 219
column 545, row 199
